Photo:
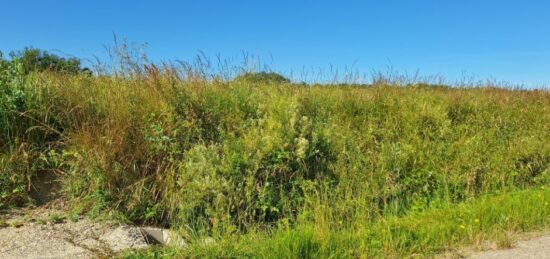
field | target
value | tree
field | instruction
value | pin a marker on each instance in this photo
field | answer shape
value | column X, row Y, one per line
column 33, row 59
column 262, row 78
column 3, row 62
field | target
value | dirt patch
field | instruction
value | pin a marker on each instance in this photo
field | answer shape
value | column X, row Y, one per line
column 46, row 187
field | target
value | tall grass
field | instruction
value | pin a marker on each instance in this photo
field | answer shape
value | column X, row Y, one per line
column 211, row 157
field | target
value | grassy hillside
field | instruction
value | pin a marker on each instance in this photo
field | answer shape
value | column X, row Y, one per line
column 301, row 170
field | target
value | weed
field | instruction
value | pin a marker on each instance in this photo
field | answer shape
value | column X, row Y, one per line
column 74, row 215
column 506, row 241
column 16, row 224
column 56, row 218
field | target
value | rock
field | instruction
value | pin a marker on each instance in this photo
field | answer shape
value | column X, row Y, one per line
column 163, row 237
column 124, row 237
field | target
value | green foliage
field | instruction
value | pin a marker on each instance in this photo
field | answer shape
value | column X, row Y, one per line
column 56, row 218
column 28, row 133
column 12, row 98
column 289, row 164
column 33, row 59
column 261, row 78
column 13, row 180
column 426, row 234
column 13, row 159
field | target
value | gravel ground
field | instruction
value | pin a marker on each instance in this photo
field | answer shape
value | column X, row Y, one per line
column 538, row 248
column 33, row 234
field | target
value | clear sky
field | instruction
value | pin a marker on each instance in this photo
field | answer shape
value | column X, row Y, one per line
column 507, row 40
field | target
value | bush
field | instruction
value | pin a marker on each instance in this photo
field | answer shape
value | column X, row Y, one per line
column 260, row 78
column 27, row 135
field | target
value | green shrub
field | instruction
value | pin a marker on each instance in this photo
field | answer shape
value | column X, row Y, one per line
column 261, row 78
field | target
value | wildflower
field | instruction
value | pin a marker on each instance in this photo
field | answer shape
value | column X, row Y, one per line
column 302, row 147
column 476, row 220
column 462, row 226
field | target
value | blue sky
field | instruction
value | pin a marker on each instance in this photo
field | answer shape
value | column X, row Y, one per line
column 505, row 40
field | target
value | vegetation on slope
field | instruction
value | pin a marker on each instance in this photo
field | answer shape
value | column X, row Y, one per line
column 278, row 161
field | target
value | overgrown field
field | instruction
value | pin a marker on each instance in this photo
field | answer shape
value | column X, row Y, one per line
column 278, row 169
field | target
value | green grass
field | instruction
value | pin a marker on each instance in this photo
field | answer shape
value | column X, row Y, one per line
column 427, row 233
column 267, row 168
column 56, row 218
